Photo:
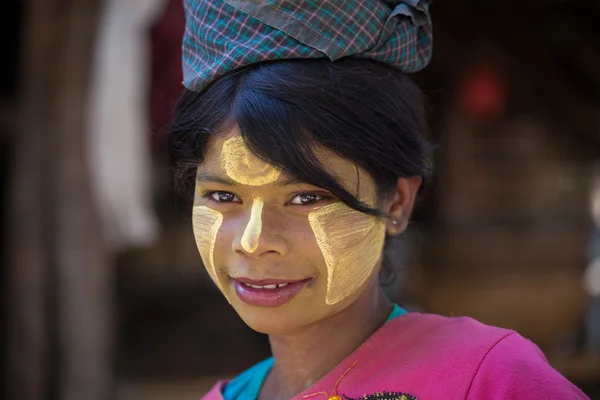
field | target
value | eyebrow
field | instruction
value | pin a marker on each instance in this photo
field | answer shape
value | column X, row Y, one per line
column 207, row 177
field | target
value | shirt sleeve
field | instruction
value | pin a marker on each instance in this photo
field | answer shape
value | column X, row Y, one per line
column 514, row 368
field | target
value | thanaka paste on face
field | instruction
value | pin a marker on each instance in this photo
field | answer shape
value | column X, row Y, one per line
column 244, row 167
column 351, row 244
column 252, row 232
column 206, row 223
column 349, row 240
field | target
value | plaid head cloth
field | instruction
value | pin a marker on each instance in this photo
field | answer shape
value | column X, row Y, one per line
column 223, row 35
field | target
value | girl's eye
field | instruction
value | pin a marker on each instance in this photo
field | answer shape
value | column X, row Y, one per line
column 306, row 199
column 222, row 197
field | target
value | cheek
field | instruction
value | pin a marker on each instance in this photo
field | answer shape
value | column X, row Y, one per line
column 206, row 223
column 351, row 243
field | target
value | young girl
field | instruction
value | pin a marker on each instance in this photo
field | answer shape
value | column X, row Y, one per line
column 302, row 136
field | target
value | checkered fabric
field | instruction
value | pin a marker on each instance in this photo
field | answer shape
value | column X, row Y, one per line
column 223, row 35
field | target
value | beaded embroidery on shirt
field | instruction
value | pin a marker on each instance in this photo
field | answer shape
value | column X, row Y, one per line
column 375, row 396
column 385, row 396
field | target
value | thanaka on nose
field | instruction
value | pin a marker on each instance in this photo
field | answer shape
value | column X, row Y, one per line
column 251, row 236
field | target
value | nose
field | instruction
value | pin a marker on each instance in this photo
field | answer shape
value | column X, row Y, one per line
column 260, row 234
column 249, row 241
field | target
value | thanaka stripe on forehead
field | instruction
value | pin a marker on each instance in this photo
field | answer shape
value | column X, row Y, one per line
column 207, row 177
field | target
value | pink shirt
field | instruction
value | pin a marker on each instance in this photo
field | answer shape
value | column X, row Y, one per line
column 430, row 357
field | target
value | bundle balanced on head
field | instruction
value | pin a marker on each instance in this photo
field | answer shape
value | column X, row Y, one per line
column 302, row 138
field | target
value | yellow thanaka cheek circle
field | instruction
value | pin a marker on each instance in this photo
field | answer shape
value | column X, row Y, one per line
column 206, row 223
column 351, row 243
column 244, row 167
column 252, row 232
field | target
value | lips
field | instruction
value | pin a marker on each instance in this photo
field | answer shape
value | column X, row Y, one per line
column 268, row 292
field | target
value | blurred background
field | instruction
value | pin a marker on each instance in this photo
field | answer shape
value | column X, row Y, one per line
column 104, row 296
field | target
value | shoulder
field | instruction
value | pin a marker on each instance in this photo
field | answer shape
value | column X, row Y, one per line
column 516, row 368
column 428, row 353
column 437, row 332
column 456, row 344
column 479, row 360
column 216, row 392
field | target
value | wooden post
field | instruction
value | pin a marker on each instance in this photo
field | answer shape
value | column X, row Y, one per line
column 29, row 210
column 60, row 299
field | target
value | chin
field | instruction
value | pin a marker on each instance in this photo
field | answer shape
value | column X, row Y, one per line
column 269, row 320
column 307, row 308
column 286, row 319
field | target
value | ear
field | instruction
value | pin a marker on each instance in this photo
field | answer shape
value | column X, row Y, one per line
column 399, row 204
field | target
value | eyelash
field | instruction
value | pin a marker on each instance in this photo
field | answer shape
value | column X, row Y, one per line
column 210, row 197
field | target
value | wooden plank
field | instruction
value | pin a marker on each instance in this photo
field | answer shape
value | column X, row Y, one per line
column 28, row 216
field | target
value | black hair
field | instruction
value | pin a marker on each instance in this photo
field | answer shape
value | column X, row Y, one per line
column 363, row 110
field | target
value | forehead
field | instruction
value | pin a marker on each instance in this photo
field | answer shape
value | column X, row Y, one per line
column 345, row 171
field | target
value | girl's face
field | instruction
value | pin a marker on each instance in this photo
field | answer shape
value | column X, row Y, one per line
column 284, row 253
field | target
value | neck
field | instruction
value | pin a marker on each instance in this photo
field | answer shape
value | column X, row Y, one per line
column 303, row 357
